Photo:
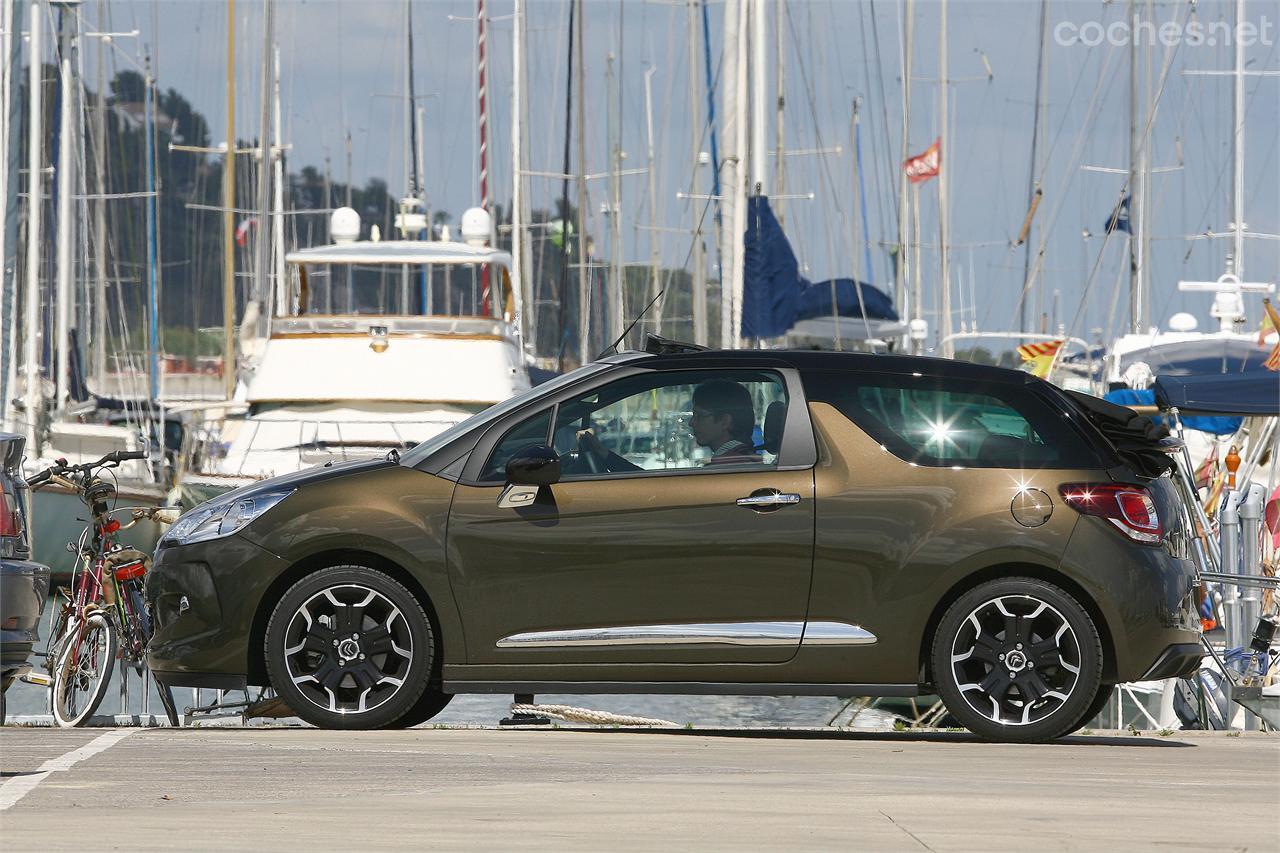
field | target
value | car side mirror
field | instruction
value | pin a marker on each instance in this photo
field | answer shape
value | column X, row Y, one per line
column 535, row 465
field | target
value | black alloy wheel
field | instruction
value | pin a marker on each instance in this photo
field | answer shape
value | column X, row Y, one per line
column 1017, row 659
column 349, row 647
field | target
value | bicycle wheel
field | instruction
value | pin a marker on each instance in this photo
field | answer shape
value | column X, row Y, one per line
column 57, row 632
column 83, row 671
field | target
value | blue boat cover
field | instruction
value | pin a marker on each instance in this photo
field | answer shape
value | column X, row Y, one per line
column 1213, row 424
column 774, row 294
column 1253, row 393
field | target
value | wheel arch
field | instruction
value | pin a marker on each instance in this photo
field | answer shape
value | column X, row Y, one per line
column 256, row 665
column 1008, row 570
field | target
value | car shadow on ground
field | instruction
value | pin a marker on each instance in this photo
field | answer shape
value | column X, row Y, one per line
column 928, row 736
column 1124, row 739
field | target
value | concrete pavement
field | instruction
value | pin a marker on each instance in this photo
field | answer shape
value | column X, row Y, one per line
column 455, row 789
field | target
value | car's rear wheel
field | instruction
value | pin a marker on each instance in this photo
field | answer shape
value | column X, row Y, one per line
column 1095, row 708
column 1017, row 659
column 349, row 647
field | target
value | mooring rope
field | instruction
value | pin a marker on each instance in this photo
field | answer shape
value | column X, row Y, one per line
column 586, row 715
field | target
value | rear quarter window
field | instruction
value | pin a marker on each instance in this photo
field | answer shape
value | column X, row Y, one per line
column 948, row 423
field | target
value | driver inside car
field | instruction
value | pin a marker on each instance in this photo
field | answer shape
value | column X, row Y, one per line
column 722, row 420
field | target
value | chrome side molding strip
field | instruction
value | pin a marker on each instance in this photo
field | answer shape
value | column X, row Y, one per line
column 785, row 633
column 836, row 634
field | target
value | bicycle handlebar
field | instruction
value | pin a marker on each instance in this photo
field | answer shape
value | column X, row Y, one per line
column 115, row 457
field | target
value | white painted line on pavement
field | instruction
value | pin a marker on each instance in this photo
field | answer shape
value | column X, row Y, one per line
column 19, row 786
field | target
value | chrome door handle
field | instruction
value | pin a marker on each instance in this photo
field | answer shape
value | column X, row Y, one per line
column 769, row 499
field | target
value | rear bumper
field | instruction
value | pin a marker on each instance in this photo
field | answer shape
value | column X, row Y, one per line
column 1146, row 597
column 24, row 586
column 1177, row 661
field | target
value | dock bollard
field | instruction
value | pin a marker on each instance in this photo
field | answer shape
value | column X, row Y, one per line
column 524, row 719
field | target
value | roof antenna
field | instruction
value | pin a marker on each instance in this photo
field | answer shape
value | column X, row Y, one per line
column 612, row 349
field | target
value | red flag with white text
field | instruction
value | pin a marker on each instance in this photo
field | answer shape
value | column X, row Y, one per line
column 924, row 166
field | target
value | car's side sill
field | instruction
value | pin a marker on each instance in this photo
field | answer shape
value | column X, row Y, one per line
column 692, row 688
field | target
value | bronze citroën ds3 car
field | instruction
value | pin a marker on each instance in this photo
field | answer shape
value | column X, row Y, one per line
column 747, row 522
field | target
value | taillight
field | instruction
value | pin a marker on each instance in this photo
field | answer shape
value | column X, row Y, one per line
column 10, row 521
column 1129, row 508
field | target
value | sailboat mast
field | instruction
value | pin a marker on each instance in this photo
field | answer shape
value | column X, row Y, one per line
column 584, row 292
column 32, row 393
column 780, row 102
column 482, row 101
column 1136, row 223
column 655, row 258
column 944, row 180
column 696, row 125
column 410, row 169
column 153, row 294
column 732, row 164
column 519, row 272
column 277, row 190
column 66, row 189
column 759, row 80
column 1031, row 177
column 906, row 298
column 229, row 217
column 100, row 225
column 10, row 65
column 1237, row 152
column 617, row 275
column 262, row 234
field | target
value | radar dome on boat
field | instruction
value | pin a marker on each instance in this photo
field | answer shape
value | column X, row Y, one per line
column 475, row 226
column 1183, row 322
column 344, row 225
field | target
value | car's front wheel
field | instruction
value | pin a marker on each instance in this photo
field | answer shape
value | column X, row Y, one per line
column 1017, row 659
column 349, row 647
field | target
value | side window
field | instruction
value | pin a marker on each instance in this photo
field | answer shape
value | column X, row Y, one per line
column 942, row 423
column 520, row 436
column 673, row 421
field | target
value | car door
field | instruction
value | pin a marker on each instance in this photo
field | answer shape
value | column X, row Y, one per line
column 663, row 553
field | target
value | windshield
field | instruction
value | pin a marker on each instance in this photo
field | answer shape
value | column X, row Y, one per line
column 424, row 449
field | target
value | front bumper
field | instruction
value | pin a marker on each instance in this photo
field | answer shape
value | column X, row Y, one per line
column 204, row 599
column 24, row 586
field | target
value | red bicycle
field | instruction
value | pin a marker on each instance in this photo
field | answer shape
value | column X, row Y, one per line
column 104, row 615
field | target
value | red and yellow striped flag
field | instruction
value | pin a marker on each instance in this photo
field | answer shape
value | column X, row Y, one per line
column 1040, row 356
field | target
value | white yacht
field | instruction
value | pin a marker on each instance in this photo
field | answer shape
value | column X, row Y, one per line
column 428, row 334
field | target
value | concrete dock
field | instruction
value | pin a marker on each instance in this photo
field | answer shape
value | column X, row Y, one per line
column 453, row 789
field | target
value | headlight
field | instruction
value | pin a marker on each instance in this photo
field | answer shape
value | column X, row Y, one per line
column 221, row 518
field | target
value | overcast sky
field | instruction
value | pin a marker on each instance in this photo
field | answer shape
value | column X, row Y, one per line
column 342, row 66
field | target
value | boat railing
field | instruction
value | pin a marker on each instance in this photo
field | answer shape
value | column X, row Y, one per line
column 319, row 440
column 434, row 324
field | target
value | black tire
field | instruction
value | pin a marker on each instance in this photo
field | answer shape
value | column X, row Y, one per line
column 349, row 647
column 1017, row 659
column 1095, row 708
column 83, row 670
column 431, row 702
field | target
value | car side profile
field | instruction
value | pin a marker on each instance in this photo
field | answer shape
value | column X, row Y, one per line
column 741, row 522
